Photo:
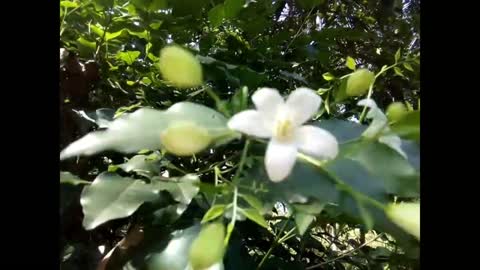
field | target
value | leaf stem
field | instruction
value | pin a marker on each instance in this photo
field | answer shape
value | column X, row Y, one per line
column 241, row 163
column 231, row 225
column 344, row 254
column 274, row 244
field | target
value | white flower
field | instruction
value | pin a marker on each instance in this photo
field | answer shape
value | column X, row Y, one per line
column 379, row 127
column 282, row 121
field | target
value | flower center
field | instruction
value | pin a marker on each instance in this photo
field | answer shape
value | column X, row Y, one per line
column 284, row 130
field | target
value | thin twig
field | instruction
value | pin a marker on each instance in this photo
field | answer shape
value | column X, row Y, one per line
column 344, row 254
column 299, row 30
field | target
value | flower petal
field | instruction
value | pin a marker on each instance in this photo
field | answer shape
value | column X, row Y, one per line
column 251, row 122
column 280, row 159
column 379, row 120
column 266, row 100
column 316, row 142
column 305, row 103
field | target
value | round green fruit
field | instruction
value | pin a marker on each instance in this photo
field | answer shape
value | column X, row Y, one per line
column 359, row 82
column 180, row 67
column 396, row 111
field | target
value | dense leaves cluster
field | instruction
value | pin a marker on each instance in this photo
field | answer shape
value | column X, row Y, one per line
column 146, row 206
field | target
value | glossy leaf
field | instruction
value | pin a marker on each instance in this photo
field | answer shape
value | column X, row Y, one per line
column 397, row 55
column 182, row 190
column 68, row 178
column 141, row 130
column 409, row 126
column 398, row 175
column 128, row 57
column 111, row 196
column 141, row 164
column 68, row 4
column 308, row 4
column 254, row 216
column 214, row 212
column 350, row 63
column 252, row 201
column 328, row 76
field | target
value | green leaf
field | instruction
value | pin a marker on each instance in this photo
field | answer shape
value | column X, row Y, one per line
column 305, row 214
column 108, row 36
column 240, row 100
column 156, row 25
column 397, row 55
column 140, row 130
column 68, row 178
column 252, row 201
column 68, row 4
column 351, row 63
column 303, row 221
column 232, row 7
column 408, row 66
column 89, row 44
column 328, row 76
column 216, row 15
column 128, row 57
column 165, row 250
column 342, row 130
column 142, row 165
column 144, row 34
column 308, row 4
column 102, row 4
column 188, row 7
column 305, row 181
column 408, row 127
column 399, row 177
column 341, row 91
column 150, row 5
column 358, row 178
column 214, row 212
column 254, row 216
column 182, row 190
column 366, row 216
column 398, row 71
column 111, row 196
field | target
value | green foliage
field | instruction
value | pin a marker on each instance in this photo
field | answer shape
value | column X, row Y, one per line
column 327, row 214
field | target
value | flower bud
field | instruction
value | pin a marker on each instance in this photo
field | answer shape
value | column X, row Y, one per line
column 180, row 67
column 208, row 248
column 359, row 82
column 406, row 216
column 185, row 138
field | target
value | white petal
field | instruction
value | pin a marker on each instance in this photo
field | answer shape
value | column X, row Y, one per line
column 267, row 100
column 304, row 102
column 317, row 142
column 251, row 122
column 280, row 159
column 379, row 120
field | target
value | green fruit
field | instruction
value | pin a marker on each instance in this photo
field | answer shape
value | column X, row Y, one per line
column 359, row 82
column 185, row 138
column 396, row 111
column 208, row 248
column 180, row 67
column 406, row 216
